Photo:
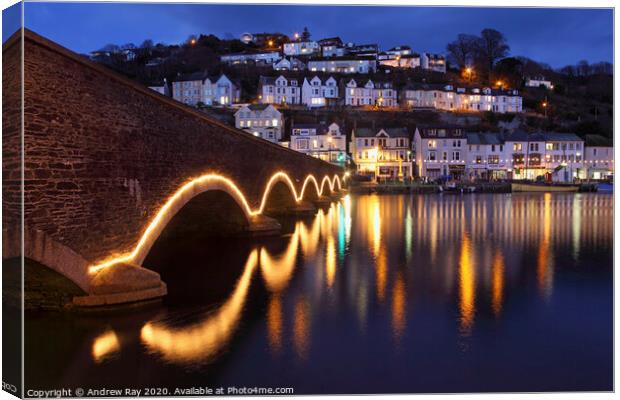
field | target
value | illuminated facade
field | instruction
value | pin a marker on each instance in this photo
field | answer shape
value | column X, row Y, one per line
column 369, row 93
column 261, row 120
column 316, row 92
column 449, row 98
column 599, row 157
column 280, row 90
column 382, row 154
column 199, row 87
column 320, row 141
column 344, row 64
column 440, row 151
column 300, row 48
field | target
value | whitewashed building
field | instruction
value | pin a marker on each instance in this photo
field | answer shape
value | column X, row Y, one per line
column 260, row 120
column 449, row 98
column 369, row 93
column 268, row 57
column 280, row 90
column 332, row 47
column 321, row 141
column 343, row 65
column 485, row 157
column 408, row 61
column 383, row 154
column 433, row 62
column 316, row 92
column 289, row 64
column 538, row 82
column 440, row 151
column 199, row 87
column 599, row 157
column 300, row 48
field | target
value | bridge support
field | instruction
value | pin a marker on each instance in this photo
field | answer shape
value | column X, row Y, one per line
column 323, row 201
column 122, row 283
column 261, row 225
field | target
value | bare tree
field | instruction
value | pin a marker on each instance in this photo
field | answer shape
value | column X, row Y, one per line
column 461, row 51
column 491, row 47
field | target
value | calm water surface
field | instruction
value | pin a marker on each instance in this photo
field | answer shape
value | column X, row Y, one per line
column 375, row 294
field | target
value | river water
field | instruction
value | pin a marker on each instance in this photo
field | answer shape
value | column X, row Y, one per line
column 378, row 293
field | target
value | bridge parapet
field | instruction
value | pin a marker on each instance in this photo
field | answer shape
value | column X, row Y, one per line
column 109, row 162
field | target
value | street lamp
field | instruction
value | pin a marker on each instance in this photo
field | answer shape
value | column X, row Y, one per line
column 544, row 105
column 468, row 70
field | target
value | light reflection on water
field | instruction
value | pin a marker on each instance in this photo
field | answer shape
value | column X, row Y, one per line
column 428, row 273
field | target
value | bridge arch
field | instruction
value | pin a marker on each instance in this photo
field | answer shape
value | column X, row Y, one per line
column 209, row 182
column 43, row 249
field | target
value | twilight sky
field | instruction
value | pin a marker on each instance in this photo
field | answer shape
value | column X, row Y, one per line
column 555, row 36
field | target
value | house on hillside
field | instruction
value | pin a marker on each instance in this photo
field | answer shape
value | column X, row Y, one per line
column 260, row 120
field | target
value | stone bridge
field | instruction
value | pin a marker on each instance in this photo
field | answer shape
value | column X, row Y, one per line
column 107, row 163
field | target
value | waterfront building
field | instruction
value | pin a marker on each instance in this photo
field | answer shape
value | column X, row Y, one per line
column 317, row 92
column 599, row 157
column 301, row 48
column 369, row 93
column 280, row 90
column 289, row 64
column 259, row 57
column 554, row 157
column 450, row 98
column 261, row 120
column 440, row 151
column 344, row 64
column 485, row 158
column 383, row 154
column 321, row 141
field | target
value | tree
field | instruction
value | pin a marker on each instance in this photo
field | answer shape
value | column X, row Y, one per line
column 305, row 35
column 461, row 51
column 583, row 68
column 491, row 47
column 112, row 48
column 147, row 44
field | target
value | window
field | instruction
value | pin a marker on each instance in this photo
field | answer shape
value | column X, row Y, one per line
column 517, row 147
column 432, row 144
column 432, row 156
column 456, row 155
column 274, row 122
column 302, row 144
column 493, row 159
column 549, row 146
column 478, row 159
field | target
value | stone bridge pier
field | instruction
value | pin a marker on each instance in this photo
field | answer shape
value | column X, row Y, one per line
column 107, row 164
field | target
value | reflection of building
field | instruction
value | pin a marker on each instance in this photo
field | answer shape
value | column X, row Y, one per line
column 382, row 154
column 320, row 141
column 262, row 120
column 440, row 151
column 599, row 157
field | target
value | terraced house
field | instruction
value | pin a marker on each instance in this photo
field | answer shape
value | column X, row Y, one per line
column 369, row 93
column 280, row 90
column 383, row 154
